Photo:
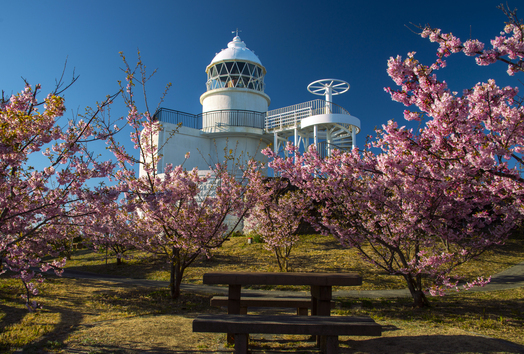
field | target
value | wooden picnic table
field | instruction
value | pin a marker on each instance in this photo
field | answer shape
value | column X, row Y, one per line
column 320, row 283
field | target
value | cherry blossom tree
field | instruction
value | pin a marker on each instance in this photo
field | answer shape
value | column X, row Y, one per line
column 111, row 227
column 435, row 198
column 36, row 204
column 401, row 214
column 277, row 217
column 181, row 214
column 480, row 131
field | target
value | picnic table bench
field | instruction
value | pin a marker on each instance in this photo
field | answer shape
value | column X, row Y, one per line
column 329, row 328
column 302, row 304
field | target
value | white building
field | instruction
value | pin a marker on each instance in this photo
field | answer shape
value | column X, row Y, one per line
column 235, row 116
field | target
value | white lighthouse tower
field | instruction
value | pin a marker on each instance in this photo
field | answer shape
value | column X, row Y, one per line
column 235, row 81
column 234, row 109
column 234, row 105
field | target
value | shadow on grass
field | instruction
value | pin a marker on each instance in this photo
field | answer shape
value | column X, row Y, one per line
column 135, row 302
column 480, row 307
column 442, row 344
column 129, row 349
column 12, row 317
column 144, row 301
column 54, row 339
column 491, row 312
column 221, row 259
column 139, row 268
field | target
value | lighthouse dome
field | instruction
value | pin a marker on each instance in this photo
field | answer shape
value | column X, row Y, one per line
column 236, row 50
column 235, row 67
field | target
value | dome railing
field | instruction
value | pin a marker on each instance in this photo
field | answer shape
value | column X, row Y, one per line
column 286, row 117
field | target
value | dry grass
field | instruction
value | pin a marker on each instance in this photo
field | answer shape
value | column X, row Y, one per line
column 86, row 316
column 314, row 253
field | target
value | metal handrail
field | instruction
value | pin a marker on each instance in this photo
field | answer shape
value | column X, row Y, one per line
column 233, row 118
column 323, row 147
column 226, row 117
column 189, row 120
column 292, row 115
column 276, row 119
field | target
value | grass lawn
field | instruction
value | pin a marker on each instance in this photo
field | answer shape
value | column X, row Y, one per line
column 94, row 316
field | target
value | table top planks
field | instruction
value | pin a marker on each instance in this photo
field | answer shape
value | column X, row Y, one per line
column 287, row 278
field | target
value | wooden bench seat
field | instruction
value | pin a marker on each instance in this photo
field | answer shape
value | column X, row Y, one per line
column 302, row 304
column 329, row 327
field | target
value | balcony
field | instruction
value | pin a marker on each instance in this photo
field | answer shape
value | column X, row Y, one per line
column 289, row 117
column 213, row 119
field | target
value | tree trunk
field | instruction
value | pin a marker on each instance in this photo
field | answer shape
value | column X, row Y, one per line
column 175, row 280
column 177, row 272
column 415, row 288
column 279, row 258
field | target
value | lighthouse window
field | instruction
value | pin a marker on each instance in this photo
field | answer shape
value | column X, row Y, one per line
column 241, row 67
column 234, row 69
column 235, row 74
column 250, row 67
column 243, row 81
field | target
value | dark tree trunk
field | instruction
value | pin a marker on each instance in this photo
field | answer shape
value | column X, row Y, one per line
column 176, row 275
column 175, row 280
column 415, row 288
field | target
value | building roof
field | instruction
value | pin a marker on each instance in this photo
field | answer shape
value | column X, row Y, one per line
column 236, row 50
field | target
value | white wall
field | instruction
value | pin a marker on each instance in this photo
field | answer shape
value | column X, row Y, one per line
column 234, row 98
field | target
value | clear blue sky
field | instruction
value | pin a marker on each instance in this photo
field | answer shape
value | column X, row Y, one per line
column 297, row 41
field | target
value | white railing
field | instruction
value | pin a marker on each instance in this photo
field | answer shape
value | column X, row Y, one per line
column 289, row 117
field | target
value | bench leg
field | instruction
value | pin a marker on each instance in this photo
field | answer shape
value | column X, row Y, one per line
column 233, row 307
column 241, row 341
column 329, row 344
column 321, row 303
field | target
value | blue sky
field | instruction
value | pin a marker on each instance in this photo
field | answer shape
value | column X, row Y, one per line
column 297, row 41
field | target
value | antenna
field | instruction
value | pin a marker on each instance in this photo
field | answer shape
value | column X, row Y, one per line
column 237, row 30
column 328, row 88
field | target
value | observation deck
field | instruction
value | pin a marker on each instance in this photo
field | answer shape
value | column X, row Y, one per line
column 319, row 122
column 325, row 124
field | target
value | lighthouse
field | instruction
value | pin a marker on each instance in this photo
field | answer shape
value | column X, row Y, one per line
column 234, row 105
column 235, row 81
column 235, row 117
column 234, row 108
